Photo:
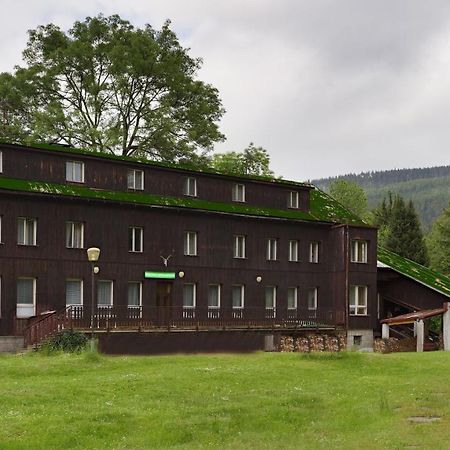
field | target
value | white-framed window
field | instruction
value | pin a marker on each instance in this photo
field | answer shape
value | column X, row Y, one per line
column 314, row 248
column 293, row 251
column 135, row 179
column 75, row 171
column 271, row 249
column 238, row 294
column 238, row 193
column 311, row 298
column 105, row 293
column 1, row 162
column 358, row 300
column 189, row 295
column 26, row 297
column 359, row 251
column 190, row 243
column 293, row 200
column 239, row 246
column 270, row 293
column 134, row 299
column 292, row 293
column 135, row 239
column 74, row 234
column 214, row 292
column 26, row 231
column 74, row 292
column 190, row 187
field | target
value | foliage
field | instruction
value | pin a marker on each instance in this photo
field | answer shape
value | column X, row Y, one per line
column 109, row 86
column 252, row 161
column 350, row 195
column 65, row 341
column 252, row 401
column 438, row 243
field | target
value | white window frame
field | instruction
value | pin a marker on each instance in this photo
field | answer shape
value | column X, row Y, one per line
column 293, row 250
column 238, row 193
column 190, row 187
column 315, row 298
column 70, row 171
column 1, row 162
column 314, row 250
column 111, row 297
column 133, row 231
column 31, row 310
column 359, row 250
column 72, row 234
column 26, row 222
column 355, row 303
column 81, row 292
column 239, row 243
column 295, row 288
column 271, row 249
column 190, row 239
column 270, row 310
column 134, row 185
column 242, row 296
column 219, row 295
column 293, row 200
column 194, row 295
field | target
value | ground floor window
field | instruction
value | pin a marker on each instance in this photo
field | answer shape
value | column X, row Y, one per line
column 238, row 294
column 189, row 300
column 292, row 297
column 105, row 293
column 312, row 298
column 134, row 299
column 26, row 297
column 358, row 300
column 271, row 300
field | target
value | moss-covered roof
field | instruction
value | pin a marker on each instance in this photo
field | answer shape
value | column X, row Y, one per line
column 415, row 271
column 322, row 208
column 176, row 166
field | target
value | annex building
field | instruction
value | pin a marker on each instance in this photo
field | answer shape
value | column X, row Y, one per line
column 197, row 258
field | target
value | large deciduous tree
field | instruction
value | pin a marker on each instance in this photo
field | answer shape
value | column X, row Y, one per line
column 109, row 86
column 351, row 195
column 438, row 243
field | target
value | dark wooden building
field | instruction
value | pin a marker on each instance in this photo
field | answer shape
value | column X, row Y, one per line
column 181, row 250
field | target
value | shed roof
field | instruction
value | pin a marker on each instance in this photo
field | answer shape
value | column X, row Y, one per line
column 415, row 271
column 323, row 208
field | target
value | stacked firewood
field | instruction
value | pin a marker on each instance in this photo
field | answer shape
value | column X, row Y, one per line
column 390, row 345
column 313, row 343
column 332, row 344
column 286, row 344
column 342, row 338
column 317, row 343
column 302, row 345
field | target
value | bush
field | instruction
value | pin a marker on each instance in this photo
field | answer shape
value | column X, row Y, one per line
column 65, row 341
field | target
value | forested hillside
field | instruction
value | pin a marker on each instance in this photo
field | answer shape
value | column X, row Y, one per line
column 428, row 188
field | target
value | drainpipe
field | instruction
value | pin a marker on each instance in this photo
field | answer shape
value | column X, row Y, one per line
column 347, row 257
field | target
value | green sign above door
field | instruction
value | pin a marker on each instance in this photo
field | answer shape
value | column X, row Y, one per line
column 160, row 275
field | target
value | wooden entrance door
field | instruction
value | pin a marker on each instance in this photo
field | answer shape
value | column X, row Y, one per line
column 163, row 302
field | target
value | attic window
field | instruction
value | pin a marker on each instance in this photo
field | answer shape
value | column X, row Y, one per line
column 75, row 171
column 238, row 193
column 359, row 251
column 293, row 200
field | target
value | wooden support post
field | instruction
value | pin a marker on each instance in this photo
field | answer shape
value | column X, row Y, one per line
column 385, row 331
column 446, row 327
column 420, row 335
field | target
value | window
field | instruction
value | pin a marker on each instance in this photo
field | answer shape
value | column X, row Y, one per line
column 314, row 252
column 74, row 295
column 292, row 297
column 293, row 251
column 359, row 251
column 135, row 239
column 190, row 187
column 26, row 231
column 271, row 300
column 271, row 250
column 358, row 300
column 1, row 162
column 214, row 296
column 134, row 299
column 238, row 193
column 239, row 246
column 135, row 179
column 26, row 297
column 74, row 234
column 75, row 171
column 357, row 339
column 238, row 291
column 190, row 243
column 311, row 298
column 293, row 199
column 189, row 295
column 105, row 293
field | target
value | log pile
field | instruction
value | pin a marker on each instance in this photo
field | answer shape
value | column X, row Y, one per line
column 317, row 343
column 286, row 344
column 313, row 343
column 302, row 345
column 393, row 345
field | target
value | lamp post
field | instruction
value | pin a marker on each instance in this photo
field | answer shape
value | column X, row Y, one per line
column 93, row 253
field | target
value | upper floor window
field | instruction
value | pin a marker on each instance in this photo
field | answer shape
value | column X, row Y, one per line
column 293, row 199
column 358, row 300
column 26, row 231
column 75, row 171
column 314, row 248
column 135, row 239
column 190, row 243
column 135, row 179
column 311, row 298
column 238, row 193
column 74, row 234
column 271, row 250
column 293, row 251
column 74, row 292
column 359, row 251
column 292, row 293
column 190, row 187
column 239, row 246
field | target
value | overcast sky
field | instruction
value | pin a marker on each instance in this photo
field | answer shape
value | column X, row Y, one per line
column 326, row 86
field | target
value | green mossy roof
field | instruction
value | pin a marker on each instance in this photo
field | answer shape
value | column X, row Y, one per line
column 417, row 272
column 323, row 208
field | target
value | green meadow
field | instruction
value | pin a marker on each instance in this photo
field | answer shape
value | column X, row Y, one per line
column 253, row 401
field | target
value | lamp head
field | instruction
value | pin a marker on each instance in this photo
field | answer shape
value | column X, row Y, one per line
column 93, row 254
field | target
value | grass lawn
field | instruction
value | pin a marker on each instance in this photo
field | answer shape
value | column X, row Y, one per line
column 262, row 400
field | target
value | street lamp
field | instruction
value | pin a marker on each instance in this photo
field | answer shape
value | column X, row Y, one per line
column 93, row 254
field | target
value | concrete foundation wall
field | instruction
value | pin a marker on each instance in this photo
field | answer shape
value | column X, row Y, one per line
column 365, row 338
column 11, row 344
